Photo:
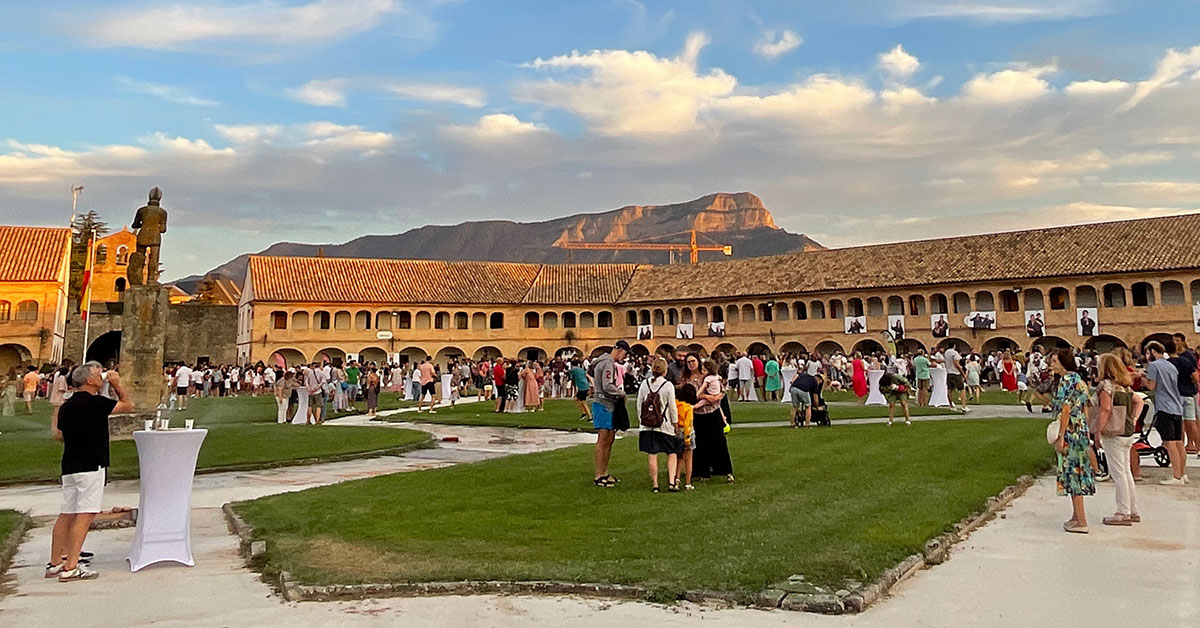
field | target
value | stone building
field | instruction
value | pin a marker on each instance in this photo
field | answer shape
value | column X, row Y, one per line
column 34, row 269
column 110, row 265
column 1135, row 280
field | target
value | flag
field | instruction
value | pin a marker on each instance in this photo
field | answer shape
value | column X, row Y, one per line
column 85, row 291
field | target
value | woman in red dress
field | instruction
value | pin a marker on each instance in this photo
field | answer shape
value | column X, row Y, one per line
column 859, row 378
column 1008, row 372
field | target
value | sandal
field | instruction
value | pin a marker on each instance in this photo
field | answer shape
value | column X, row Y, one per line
column 1117, row 520
column 673, row 488
column 1075, row 528
column 688, row 487
column 654, row 489
column 729, row 479
column 605, row 481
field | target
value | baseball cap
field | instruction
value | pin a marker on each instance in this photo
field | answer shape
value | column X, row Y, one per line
column 621, row 344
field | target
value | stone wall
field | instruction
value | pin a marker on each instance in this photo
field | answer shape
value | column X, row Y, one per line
column 193, row 331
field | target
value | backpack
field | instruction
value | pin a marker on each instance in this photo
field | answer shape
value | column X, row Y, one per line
column 652, row 411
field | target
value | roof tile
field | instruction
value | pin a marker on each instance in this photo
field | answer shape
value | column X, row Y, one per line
column 32, row 253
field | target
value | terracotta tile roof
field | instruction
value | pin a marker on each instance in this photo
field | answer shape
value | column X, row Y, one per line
column 571, row 284
column 350, row 280
column 1150, row 244
column 32, row 253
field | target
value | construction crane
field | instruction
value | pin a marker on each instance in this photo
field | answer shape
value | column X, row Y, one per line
column 635, row 245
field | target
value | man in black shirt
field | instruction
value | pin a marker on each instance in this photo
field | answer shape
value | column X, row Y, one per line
column 805, row 390
column 83, row 421
column 1187, row 363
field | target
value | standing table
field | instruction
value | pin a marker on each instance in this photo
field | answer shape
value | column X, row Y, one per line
column 788, row 374
column 167, row 462
column 874, row 397
column 938, row 396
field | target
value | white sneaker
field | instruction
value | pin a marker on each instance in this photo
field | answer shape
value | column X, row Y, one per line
column 1173, row 481
column 432, row 411
column 52, row 571
column 908, row 422
column 80, row 572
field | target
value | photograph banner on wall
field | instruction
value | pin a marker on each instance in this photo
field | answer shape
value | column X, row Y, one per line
column 896, row 326
column 856, row 324
column 645, row 332
column 1086, row 323
column 685, row 331
column 1196, row 318
column 353, row 357
column 717, row 329
column 980, row 320
column 939, row 325
column 1035, row 323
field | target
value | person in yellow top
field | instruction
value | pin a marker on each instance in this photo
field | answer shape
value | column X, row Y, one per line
column 30, row 382
column 684, row 399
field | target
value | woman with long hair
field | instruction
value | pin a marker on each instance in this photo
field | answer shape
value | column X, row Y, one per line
column 1116, row 389
column 8, row 392
column 1009, row 370
column 530, row 388
column 859, row 378
column 711, row 456
column 692, row 372
column 1075, row 478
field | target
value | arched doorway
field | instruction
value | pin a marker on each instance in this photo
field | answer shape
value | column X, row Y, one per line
column 13, row 355
column 758, row 348
column 446, row 354
column 286, row 358
column 665, row 350
column 792, row 348
column 601, row 350
column 868, row 346
column 698, row 349
column 486, row 353
column 1000, row 343
column 1104, row 343
column 639, row 349
column 332, row 355
column 960, row 345
column 829, row 347
column 1163, row 339
column 910, row 346
column 373, row 354
column 532, row 353
column 567, row 352
column 412, row 355
column 106, row 349
column 726, row 348
column 1049, row 343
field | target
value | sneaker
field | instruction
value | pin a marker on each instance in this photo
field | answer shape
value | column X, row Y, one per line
column 432, row 411
column 78, row 573
column 52, row 571
column 1103, row 477
column 908, row 422
column 1172, row 482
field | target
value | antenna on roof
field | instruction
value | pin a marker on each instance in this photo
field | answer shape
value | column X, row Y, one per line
column 320, row 251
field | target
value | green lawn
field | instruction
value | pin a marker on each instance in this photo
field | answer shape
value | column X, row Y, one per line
column 242, row 432
column 989, row 396
column 563, row 414
column 836, row 504
column 8, row 522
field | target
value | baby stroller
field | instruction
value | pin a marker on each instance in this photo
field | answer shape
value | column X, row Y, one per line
column 820, row 412
column 1149, row 442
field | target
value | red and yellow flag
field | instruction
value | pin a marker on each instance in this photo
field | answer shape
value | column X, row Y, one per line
column 85, row 292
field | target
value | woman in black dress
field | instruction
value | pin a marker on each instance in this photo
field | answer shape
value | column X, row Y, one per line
column 711, row 415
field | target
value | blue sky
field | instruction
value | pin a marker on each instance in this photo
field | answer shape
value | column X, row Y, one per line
column 322, row 120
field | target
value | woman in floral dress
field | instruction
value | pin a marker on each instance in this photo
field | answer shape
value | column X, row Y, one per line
column 1074, row 466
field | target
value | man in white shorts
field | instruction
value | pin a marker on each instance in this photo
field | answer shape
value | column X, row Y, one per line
column 83, row 421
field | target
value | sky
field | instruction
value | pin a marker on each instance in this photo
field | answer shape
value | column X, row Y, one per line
column 856, row 122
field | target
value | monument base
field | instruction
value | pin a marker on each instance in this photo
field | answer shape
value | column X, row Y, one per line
column 122, row 426
column 143, row 342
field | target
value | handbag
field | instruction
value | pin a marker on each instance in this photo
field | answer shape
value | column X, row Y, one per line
column 1116, row 421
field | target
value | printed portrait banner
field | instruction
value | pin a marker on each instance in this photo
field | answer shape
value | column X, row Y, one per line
column 939, row 325
column 645, row 332
column 717, row 329
column 896, row 326
column 1086, row 322
column 685, row 331
column 980, row 319
column 1035, row 323
column 1196, row 318
column 856, row 324
column 353, row 357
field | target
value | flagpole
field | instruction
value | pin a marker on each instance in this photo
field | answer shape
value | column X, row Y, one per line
column 87, row 293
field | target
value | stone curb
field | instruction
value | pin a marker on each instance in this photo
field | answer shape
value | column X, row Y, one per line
column 429, row 443
column 8, row 546
column 937, row 551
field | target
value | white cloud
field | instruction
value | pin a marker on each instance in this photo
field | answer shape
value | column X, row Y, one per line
column 346, row 137
column 818, row 95
column 437, row 92
column 1000, row 11
column 248, row 133
column 1171, row 69
column 631, row 93
column 496, row 126
column 196, row 147
column 320, row 93
column 1095, row 88
column 171, row 26
column 774, row 44
column 168, row 93
column 898, row 64
column 1009, row 86
column 904, row 96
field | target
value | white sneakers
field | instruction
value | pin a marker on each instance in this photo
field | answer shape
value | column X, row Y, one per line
column 80, row 572
column 1175, row 481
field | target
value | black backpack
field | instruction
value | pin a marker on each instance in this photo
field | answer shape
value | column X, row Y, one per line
column 652, row 410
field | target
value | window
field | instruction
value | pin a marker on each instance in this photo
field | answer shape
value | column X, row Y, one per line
column 404, row 320
column 102, row 254
column 1009, row 301
column 424, row 321
column 718, row 315
column 341, row 320
column 895, row 306
column 122, row 255
column 1060, row 299
column 1143, row 294
column 496, row 320
column 383, row 320
column 799, row 311
column 322, row 320
column 441, row 320
column 119, row 284
column 672, row 316
column 937, row 304
column 300, row 320
column 764, row 313
column 731, row 313
column 875, row 306
column 1114, row 295
column 1195, row 288
column 5, row 310
column 702, row 316
column 532, row 320
column 1085, row 296
column 27, row 311
column 587, row 319
column 461, row 321
column 836, row 310
column 1172, row 293
column 362, row 321
column 962, row 303
column 984, row 301
column 644, row 317
column 748, row 314
column 279, row 320
column 604, row 319
column 685, row 316
column 631, row 318
column 659, row 318
column 855, row 306
column 549, row 320
column 568, row 319
column 916, row 305
column 782, row 311
column 816, row 310
column 479, row 320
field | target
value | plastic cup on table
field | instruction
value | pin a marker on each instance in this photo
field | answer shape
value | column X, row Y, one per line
column 148, row 424
column 189, row 423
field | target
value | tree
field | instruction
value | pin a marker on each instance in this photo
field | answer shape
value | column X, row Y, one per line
column 82, row 228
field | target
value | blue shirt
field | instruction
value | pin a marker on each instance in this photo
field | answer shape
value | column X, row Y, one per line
column 1166, row 386
column 579, row 377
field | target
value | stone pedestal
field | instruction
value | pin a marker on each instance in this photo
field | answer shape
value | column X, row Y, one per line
column 143, row 338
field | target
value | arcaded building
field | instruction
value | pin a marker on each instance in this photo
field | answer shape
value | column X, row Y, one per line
column 1095, row 286
column 34, row 269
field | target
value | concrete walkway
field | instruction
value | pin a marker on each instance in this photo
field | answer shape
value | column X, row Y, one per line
column 1014, row 571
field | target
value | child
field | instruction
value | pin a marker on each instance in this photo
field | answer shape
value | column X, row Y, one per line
column 895, row 388
column 684, row 400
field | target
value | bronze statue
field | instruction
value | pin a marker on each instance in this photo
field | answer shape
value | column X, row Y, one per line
column 150, row 223
column 135, row 272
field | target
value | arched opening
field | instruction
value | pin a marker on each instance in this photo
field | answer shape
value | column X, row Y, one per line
column 549, row 320
column 764, row 313
column 868, row 346
column 446, row 355
column 285, row 358
column 855, row 307
column 725, row 348
column 373, row 354
column 875, row 306
column 105, row 349
column 1049, row 343
column 1085, row 296
column 1009, row 302
column 759, row 349
column 1104, row 343
column 698, row 349
column 462, row 320
column 1161, row 338
column 1114, row 295
column 644, row 317
column 1000, row 343
column 1194, row 288
column 441, row 320
column 836, row 310
column 341, row 320
column 479, row 321
column 531, row 353
column 1172, row 293
column 119, row 284
column 916, row 305
column 587, row 320
column 748, row 315
column 782, row 312
column 14, row 355
column 362, row 321
column 895, row 306
column 829, row 347
column 331, row 355
column 496, row 320
column 672, row 316
column 601, row 350
column 383, row 320
column 1143, row 294
column 659, row 317
column 631, row 318
column 984, row 301
column 1060, row 298
column 604, row 320
column 568, row 320
column 299, row 320
column 799, row 311
column 718, row 314
column 424, row 320
column 816, row 310
column 792, row 348
column 731, row 313
column 412, row 355
column 279, row 319
column 702, row 317
column 909, row 346
column 962, row 346
column 1033, row 299
column 686, row 316
column 665, row 350
column 486, row 353
column 532, row 320
column 122, row 255
column 404, row 320
column 962, row 303
column 639, row 350
column 568, row 352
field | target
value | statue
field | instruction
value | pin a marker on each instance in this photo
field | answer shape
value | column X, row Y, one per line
column 150, row 223
column 135, row 272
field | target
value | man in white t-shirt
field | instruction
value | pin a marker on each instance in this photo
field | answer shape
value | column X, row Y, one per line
column 745, row 367
column 954, row 377
column 183, row 379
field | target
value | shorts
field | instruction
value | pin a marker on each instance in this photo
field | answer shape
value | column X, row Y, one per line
column 581, row 395
column 29, row 395
column 954, row 381
column 1189, row 408
column 801, row 399
column 316, row 399
column 923, row 384
column 602, row 417
column 181, row 391
column 82, row 492
column 1169, row 426
column 427, row 388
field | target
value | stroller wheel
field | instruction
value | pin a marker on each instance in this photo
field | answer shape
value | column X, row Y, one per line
column 1161, row 457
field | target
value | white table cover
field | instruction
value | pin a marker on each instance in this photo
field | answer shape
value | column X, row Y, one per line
column 788, row 373
column 938, row 397
column 167, row 462
column 408, row 396
column 447, row 387
column 874, row 397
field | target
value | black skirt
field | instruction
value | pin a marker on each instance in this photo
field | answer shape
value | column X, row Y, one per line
column 650, row 442
column 711, row 456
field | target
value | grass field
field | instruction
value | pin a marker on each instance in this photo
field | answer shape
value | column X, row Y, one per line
column 563, row 414
column 242, row 432
column 833, row 505
column 8, row 521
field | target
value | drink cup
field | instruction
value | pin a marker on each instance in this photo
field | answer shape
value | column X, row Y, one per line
column 164, row 424
column 148, row 424
column 189, row 423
